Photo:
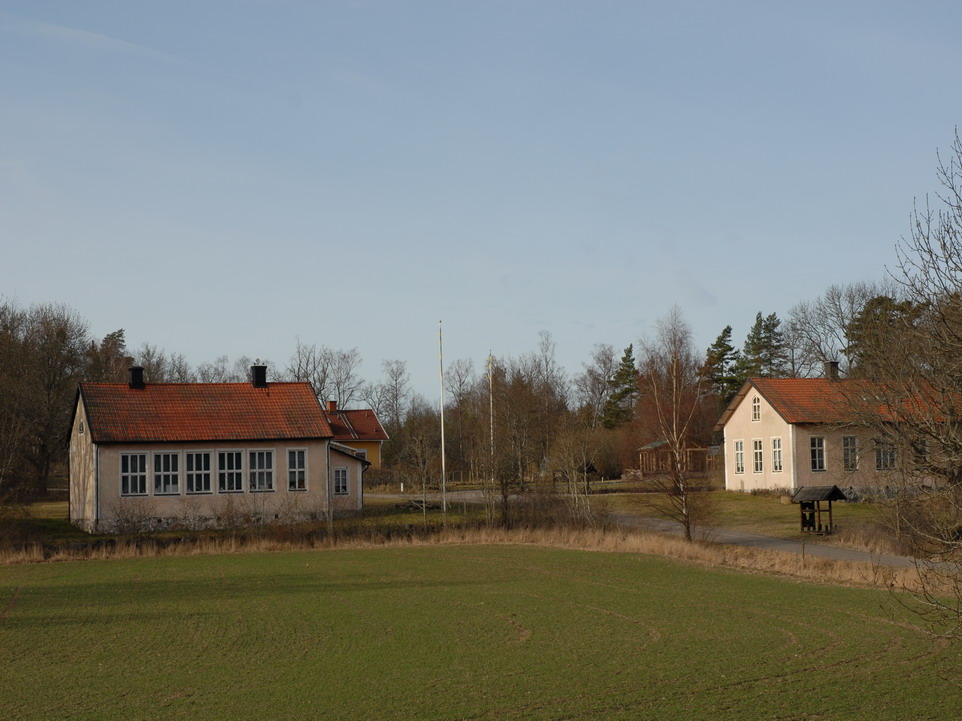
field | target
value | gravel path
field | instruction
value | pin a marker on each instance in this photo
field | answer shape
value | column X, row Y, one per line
column 770, row 543
column 715, row 535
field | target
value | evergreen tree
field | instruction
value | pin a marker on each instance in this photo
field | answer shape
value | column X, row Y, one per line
column 721, row 367
column 874, row 330
column 619, row 409
column 765, row 353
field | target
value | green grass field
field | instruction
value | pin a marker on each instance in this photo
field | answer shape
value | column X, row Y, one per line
column 457, row 632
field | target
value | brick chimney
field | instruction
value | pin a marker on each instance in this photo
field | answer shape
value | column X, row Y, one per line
column 831, row 370
column 135, row 375
column 332, row 406
column 259, row 376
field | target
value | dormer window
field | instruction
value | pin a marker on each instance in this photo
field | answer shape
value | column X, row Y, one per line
column 756, row 408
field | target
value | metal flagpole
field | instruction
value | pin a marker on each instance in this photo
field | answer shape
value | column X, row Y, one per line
column 491, row 411
column 444, row 500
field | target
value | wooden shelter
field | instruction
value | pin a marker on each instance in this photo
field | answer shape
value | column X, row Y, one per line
column 810, row 499
column 657, row 459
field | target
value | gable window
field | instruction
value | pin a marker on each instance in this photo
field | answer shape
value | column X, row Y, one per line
column 850, row 453
column 80, row 428
column 361, row 454
column 757, row 455
column 884, row 456
column 261, row 470
column 133, row 474
column 818, row 453
column 739, row 456
column 777, row 455
column 197, row 471
column 340, row 482
column 297, row 470
column 166, row 473
column 230, row 472
column 756, row 409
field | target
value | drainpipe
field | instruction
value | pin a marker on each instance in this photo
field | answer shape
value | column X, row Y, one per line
column 794, row 464
column 96, row 485
column 330, row 502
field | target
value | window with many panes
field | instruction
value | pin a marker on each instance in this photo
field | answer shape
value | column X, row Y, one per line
column 297, row 470
column 261, row 470
column 850, row 453
column 197, row 471
column 739, row 456
column 133, row 474
column 884, row 456
column 818, row 453
column 340, row 482
column 166, row 473
column 757, row 455
column 756, row 409
column 777, row 455
column 230, row 471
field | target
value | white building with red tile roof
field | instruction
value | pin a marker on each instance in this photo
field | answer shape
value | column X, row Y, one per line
column 794, row 432
column 155, row 455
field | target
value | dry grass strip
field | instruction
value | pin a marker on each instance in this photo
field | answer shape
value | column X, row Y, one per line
column 617, row 540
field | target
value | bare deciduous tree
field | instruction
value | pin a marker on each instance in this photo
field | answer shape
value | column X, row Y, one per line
column 672, row 398
column 217, row 372
column 818, row 330
column 915, row 400
column 56, row 340
column 593, row 386
column 332, row 373
column 345, row 382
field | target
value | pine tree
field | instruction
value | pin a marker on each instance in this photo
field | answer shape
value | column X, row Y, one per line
column 765, row 353
column 619, row 409
column 721, row 367
column 871, row 332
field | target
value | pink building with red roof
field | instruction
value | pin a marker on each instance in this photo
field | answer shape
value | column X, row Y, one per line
column 794, row 432
column 155, row 455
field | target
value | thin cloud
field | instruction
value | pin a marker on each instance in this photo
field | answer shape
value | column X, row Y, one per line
column 84, row 39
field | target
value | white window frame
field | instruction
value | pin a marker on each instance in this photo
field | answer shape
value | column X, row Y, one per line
column 758, row 455
column 739, row 448
column 756, row 409
column 777, row 454
column 297, row 474
column 850, row 457
column 885, row 459
column 166, row 473
column 192, row 475
column 128, row 476
column 817, row 446
column 234, row 475
column 342, row 481
column 260, row 470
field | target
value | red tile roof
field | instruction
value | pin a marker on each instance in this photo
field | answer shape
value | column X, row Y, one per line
column 356, row 425
column 809, row 400
column 812, row 400
column 181, row 412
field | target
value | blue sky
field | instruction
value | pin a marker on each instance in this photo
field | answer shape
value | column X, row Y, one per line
column 224, row 177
